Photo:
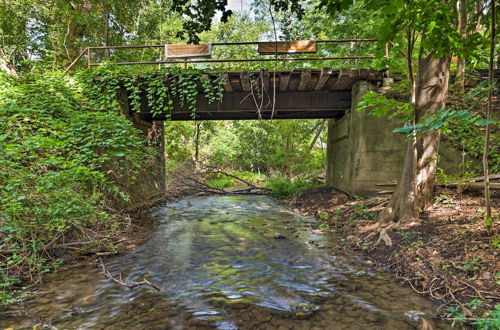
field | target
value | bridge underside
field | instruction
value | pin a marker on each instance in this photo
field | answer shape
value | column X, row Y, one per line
column 299, row 94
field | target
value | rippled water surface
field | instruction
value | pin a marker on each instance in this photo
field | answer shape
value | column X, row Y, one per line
column 221, row 267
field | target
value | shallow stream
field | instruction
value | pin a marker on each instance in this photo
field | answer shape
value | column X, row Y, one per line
column 230, row 263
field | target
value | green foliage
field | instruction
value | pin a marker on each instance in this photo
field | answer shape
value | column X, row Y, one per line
column 488, row 320
column 56, row 150
column 164, row 89
column 282, row 187
column 442, row 120
column 261, row 147
column 460, row 123
column 221, row 181
column 380, row 105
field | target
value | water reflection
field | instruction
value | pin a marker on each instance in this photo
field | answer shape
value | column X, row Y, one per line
column 221, row 267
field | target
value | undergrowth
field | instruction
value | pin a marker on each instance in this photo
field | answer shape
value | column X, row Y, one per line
column 282, row 187
column 56, row 179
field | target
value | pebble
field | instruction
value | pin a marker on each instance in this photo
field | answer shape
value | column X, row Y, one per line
column 372, row 318
column 278, row 236
column 414, row 315
column 486, row 276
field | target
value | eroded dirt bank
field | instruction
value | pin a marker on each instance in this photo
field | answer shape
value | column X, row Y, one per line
column 447, row 254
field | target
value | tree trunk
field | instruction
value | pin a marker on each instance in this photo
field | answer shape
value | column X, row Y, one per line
column 402, row 204
column 6, row 65
column 106, row 33
column 430, row 94
column 415, row 188
column 462, row 26
column 197, row 141
column 489, row 115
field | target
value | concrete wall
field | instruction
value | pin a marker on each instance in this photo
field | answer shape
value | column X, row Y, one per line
column 363, row 152
column 364, row 156
column 149, row 186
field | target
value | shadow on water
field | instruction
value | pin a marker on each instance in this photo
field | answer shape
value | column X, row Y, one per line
column 221, row 267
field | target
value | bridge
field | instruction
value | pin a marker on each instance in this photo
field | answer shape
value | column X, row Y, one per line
column 363, row 153
column 278, row 94
column 294, row 94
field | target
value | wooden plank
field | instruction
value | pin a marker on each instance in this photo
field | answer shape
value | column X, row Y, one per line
column 284, row 81
column 332, row 80
column 287, row 47
column 323, row 78
column 245, row 81
column 235, row 82
column 363, row 74
column 343, row 79
column 313, row 81
column 294, row 80
column 227, row 84
column 305, row 76
column 187, row 51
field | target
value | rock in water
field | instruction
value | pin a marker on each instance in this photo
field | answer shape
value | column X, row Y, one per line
column 278, row 236
column 414, row 315
column 304, row 310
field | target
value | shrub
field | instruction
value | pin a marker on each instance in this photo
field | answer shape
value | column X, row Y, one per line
column 54, row 179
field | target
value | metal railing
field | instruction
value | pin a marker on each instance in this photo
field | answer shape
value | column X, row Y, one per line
column 89, row 51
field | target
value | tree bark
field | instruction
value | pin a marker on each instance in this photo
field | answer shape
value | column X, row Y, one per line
column 402, row 204
column 489, row 115
column 430, row 94
column 462, row 26
column 197, row 141
column 6, row 65
column 415, row 188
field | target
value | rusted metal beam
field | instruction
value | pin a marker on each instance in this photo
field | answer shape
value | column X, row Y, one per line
column 89, row 50
column 75, row 61
column 242, row 60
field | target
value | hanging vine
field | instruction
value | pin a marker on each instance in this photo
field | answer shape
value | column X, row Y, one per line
column 164, row 89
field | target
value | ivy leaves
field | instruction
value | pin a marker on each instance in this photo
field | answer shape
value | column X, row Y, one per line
column 166, row 90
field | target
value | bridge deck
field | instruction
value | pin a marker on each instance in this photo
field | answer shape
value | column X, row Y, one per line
column 300, row 94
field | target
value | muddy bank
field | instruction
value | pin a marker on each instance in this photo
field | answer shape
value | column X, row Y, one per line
column 447, row 255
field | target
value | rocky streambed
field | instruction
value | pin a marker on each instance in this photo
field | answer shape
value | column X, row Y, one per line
column 229, row 262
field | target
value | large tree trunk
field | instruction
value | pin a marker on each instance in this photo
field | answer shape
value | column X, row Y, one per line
column 430, row 94
column 415, row 188
column 402, row 204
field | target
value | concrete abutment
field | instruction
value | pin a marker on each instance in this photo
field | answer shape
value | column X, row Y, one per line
column 365, row 156
column 148, row 186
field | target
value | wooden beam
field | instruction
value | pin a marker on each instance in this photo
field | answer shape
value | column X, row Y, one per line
column 294, row 80
column 235, row 82
column 284, row 81
column 345, row 78
column 227, row 84
column 305, row 76
column 245, row 81
column 323, row 78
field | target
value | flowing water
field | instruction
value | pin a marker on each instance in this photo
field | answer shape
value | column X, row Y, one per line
column 220, row 266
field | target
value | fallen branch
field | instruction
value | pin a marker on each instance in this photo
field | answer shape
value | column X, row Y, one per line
column 130, row 285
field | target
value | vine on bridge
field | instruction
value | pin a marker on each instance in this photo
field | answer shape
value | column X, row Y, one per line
column 165, row 88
